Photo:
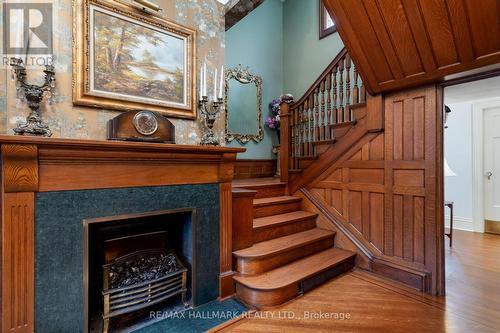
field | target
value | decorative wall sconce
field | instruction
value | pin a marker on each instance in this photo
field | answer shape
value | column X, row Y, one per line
column 33, row 94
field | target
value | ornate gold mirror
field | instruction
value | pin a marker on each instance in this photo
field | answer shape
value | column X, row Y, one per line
column 243, row 104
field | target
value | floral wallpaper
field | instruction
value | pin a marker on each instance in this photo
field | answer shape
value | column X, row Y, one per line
column 68, row 121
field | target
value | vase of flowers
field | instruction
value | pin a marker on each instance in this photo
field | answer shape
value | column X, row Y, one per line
column 273, row 120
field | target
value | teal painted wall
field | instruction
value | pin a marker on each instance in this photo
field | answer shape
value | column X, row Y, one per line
column 305, row 56
column 257, row 42
column 280, row 42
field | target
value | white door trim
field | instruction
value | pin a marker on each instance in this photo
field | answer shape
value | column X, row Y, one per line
column 477, row 161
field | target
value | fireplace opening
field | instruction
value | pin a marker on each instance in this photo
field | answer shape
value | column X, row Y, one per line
column 135, row 265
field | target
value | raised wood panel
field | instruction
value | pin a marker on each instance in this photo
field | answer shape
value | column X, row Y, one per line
column 390, row 205
column 244, row 169
column 18, row 263
column 226, row 241
column 402, row 43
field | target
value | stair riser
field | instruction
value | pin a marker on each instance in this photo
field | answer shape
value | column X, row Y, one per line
column 305, row 163
column 276, row 209
column 264, row 298
column 246, row 266
column 268, row 191
column 269, row 298
column 340, row 132
column 267, row 233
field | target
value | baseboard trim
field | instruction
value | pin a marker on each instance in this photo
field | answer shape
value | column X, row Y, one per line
column 460, row 223
column 492, row 227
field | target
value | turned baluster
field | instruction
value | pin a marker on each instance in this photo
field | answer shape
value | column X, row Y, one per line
column 328, row 106
column 334, row 111
column 355, row 89
column 311, row 125
column 348, row 110
column 362, row 92
column 340, row 117
column 305, row 125
column 316, row 115
column 301, row 130
column 296, row 123
column 322, row 123
column 293, row 161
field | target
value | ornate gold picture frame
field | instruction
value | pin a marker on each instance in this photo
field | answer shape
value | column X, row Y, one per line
column 126, row 59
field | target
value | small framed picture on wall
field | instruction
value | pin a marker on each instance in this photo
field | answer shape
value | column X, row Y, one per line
column 326, row 24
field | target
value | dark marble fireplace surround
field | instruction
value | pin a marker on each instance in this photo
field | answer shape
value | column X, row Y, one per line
column 59, row 248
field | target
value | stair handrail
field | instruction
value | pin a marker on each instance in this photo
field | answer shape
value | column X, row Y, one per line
column 311, row 118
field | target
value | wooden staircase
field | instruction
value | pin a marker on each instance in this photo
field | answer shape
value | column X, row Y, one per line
column 290, row 254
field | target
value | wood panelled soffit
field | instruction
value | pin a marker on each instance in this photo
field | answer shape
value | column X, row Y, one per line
column 403, row 43
column 384, row 191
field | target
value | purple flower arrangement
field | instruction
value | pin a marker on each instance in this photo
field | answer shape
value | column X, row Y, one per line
column 273, row 120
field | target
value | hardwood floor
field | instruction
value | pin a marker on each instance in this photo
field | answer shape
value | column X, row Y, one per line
column 472, row 303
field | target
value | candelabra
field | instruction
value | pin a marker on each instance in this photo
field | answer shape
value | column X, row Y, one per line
column 209, row 114
column 33, row 94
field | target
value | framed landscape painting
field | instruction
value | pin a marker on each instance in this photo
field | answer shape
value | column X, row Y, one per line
column 126, row 59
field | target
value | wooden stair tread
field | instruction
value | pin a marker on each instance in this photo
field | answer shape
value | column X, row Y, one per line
column 325, row 142
column 343, row 124
column 296, row 271
column 307, row 158
column 357, row 105
column 278, row 245
column 261, row 202
column 266, row 181
column 273, row 220
column 294, row 170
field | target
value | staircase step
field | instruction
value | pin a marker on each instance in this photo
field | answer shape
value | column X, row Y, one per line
column 294, row 170
column 307, row 158
column 275, row 205
column 343, row 124
column 325, row 142
column 267, row 255
column 341, row 129
column 269, row 227
column 286, row 282
column 265, row 187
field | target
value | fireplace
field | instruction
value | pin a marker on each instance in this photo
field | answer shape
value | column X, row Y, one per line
column 134, row 264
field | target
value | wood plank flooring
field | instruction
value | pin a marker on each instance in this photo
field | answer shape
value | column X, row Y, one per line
column 373, row 304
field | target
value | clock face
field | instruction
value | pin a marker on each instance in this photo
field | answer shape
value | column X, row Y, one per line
column 145, row 122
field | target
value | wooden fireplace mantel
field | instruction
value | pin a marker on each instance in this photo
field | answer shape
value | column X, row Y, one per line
column 31, row 164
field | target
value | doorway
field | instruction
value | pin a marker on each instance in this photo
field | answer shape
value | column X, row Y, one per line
column 472, row 186
column 471, row 153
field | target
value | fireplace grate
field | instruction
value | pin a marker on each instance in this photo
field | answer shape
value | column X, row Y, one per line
column 141, row 279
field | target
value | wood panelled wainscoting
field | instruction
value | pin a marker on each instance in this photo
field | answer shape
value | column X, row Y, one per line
column 244, row 169
column 31, row 165
column 383, row 196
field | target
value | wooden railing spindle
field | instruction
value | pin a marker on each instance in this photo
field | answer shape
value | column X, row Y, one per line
column 348, row 110
column 316, row 115
column 326, row 103
column 328, row 106
column 311, row 125
column 355, row 89
column 322, row 123
column 341, row 91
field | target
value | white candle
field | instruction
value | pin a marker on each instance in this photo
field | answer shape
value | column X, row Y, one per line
column 201, row 83
column 221, row 81
column 204, row 79
column 215, row 84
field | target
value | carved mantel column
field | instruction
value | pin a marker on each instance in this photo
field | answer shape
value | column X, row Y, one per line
column 20, row 181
